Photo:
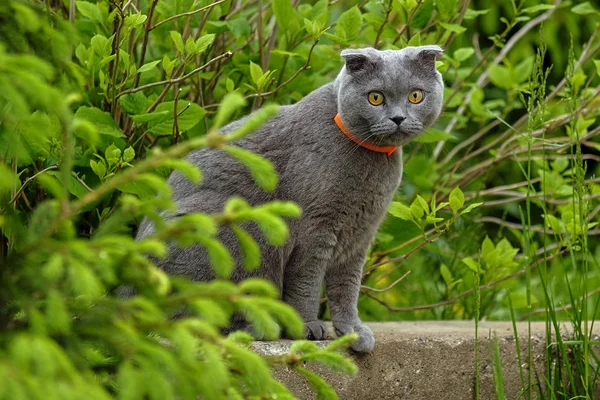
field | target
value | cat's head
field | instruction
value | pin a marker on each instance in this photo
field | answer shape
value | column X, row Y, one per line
column 389, row 97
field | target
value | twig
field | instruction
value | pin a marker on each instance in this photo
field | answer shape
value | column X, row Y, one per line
column 383, row 24
column 187, row 14
column 89, row 189
column 177, row 80
column 14, row 198
column 71, row 12
column 408, row 21
column 459, row 21
column 563, row 308
column 175, row 117
column 386, row 288
column 147, row 29
column 533, row 228
column 483, row 78
column 304, row 67
column 466, row 292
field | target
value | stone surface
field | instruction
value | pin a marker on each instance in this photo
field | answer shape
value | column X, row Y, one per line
column 427, row 360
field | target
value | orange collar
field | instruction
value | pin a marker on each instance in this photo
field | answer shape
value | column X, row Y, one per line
column 380, row 149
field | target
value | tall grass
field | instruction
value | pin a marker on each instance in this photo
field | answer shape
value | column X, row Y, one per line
column 572, row 369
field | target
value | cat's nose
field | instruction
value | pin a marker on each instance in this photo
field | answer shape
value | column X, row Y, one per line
column 398, row 120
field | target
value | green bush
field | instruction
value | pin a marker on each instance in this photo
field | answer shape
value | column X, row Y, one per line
column 496, row 216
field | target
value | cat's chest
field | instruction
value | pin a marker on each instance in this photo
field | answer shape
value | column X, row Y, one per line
column 347, row 191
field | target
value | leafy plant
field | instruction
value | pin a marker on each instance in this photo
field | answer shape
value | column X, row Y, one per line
column 497, row 213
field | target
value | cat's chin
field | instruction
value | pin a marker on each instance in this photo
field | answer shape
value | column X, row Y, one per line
column 398, row 138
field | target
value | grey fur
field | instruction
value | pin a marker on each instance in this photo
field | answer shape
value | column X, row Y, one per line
column 344, row 190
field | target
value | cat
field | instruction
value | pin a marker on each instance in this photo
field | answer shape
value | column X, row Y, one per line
column 339, row 157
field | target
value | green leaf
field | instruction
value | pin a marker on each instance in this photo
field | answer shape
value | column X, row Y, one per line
column 349, row 24
column 453, row 27
column 112, row 154
column 250, row 249
column 253, row 122
column 457, row 199
column 152, row 117
column 220, row 259
column 472, row 264
column 99, row 168
column 128, row 154
column 470, row 208
column 231, row 103
column 422, row 15
column 446, row 274
column 135, row 20
column 148, row 66
column 262, row 170
column 139, row 187
column 229, row 85
column 401, row 211
column 76, row 188
column 190, row 46
column 103, row 121
column 133, row 103
column 259, row 287
column 283, row 209
column 584, row 9
column 487, row 248
column 286, row 16
column 537, row 8
column 7, row 179
column 176, row 37
column 186, row 120
column 320, row 386
column 101, row 45
column 89, row 10
column 500, row 76
column 274, row 228
column 58, row 317
column 416, row 210
column 597, row 64
column 433, row 135
column 472, row 14
column 422, row 203
column 203, row 42
column 446, row 7
column 255, row 72
column 463, row 54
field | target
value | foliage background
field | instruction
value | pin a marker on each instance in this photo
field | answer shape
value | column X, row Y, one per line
column 90, row 89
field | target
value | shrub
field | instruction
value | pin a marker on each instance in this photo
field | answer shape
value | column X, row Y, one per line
column 100, row 100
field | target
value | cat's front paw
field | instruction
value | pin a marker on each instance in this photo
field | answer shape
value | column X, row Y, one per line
column 366, row 339
column 315, row 330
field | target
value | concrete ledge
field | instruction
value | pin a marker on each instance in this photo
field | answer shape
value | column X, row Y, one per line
column 427, row 360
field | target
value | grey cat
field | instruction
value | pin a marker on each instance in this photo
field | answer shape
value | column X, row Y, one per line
column 384, row 99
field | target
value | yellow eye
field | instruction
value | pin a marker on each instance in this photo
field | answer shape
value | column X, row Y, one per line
column 415, row 96
column 376, row 98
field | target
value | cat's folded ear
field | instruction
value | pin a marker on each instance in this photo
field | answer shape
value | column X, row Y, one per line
column 361, row 60
column 427, row 55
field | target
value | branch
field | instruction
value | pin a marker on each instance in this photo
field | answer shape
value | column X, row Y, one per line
column 177, row 80
column 187, row 14
column 563, row 308
column 483, row 78
column 408, row 21
column 304, row 67
column 16, row 196
column 136, row 80
column 466, row 292
column 385, row 20
column 387, row 288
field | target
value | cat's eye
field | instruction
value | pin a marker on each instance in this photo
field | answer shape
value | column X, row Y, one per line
column 415, row 96
column 376, row 98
